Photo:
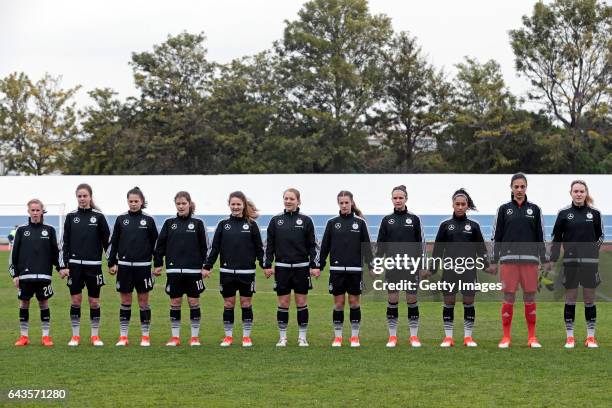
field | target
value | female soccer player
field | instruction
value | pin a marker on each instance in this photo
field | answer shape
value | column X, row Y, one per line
column 86, row 234
column 405, row 228
column 129, row 256
column 579, row 228
column 33, row 256
column 518, row 245
column 344, row 239
column 184, row 244
column 292, row 245
column 459, row 238
column 238, row 240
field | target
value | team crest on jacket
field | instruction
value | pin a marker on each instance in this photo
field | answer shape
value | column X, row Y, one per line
column 408, row 221
column 529, row 211
column 355, row 226
column 299, row 221
column 337, row 225
column 93, row 220
column 451, row 227
column 77, row 220
column 245, row 226
column 589, row 216
column 509, row 211
column 391, row 221
column 570, row 216
column 227, row 226
column 126, row 222
column 44, row 233
column 280, row 222
column 26, row 234
column 173, row 226
column 191, row 226
column 468, row 227
column 143, row 222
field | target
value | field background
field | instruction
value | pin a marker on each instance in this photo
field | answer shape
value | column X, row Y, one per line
column 316, row 376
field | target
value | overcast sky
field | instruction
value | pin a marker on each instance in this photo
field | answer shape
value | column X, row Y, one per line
column 90, row 42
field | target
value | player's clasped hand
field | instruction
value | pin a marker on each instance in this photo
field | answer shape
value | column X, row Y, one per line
column 315, row 272
column 205, row 273
column 64, row 272
column 492, row 269
column 268, row 272
column 113, row 269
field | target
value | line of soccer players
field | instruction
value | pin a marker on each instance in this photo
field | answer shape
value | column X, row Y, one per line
column 136, row 254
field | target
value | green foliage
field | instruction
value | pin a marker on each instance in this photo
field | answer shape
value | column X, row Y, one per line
column 340, row 92
column 38, row 124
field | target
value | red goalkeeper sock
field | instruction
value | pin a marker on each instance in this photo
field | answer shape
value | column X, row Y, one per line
column 530, row 317
column 506, row 312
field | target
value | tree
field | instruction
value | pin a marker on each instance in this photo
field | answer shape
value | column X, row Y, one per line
column 487, row 131
column 414, row 105
column 565, row 50
column 169, row 126
column 332, row 73
column 105, row 145
column 38, row 123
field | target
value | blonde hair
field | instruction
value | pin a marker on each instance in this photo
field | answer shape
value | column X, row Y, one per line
column 588, row 200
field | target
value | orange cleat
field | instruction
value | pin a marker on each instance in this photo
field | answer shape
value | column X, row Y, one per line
column 46, row 341
column 96, row 341
column 22, row 341
column 570, row 343
column 337, row 342
column 392, row 342
column 173, row 342
column 227, row 341
column 532, row 342
column 194, row 341
column 74, row 341
column 247, row 342
column 469, row 342
column 355, row 341
column 447, row 342
column 123, row 341
column 504, row 343
column 590, row 342
column 145, row 341
column 414, row 341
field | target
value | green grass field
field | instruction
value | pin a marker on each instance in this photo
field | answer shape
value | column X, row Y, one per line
column 316, row 376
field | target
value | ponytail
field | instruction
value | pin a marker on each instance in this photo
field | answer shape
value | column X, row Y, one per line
column 85, row 186
column 401, row 188
column 462, row 193
column 186, row 196
column 138, row 192
column 249, row 212
column 588, row 199
column 354, row 208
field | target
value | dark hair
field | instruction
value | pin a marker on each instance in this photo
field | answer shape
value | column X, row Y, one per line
column 186, row 196
column 85, row 186
column 294, row 191
column 588, row 199
column 462, row 193
column 518, row 176
column 354, row 209
column 249, row 211
column 138, row 192
column 400, row 188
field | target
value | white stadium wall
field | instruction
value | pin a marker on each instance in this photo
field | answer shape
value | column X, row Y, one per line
column 428, row 193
